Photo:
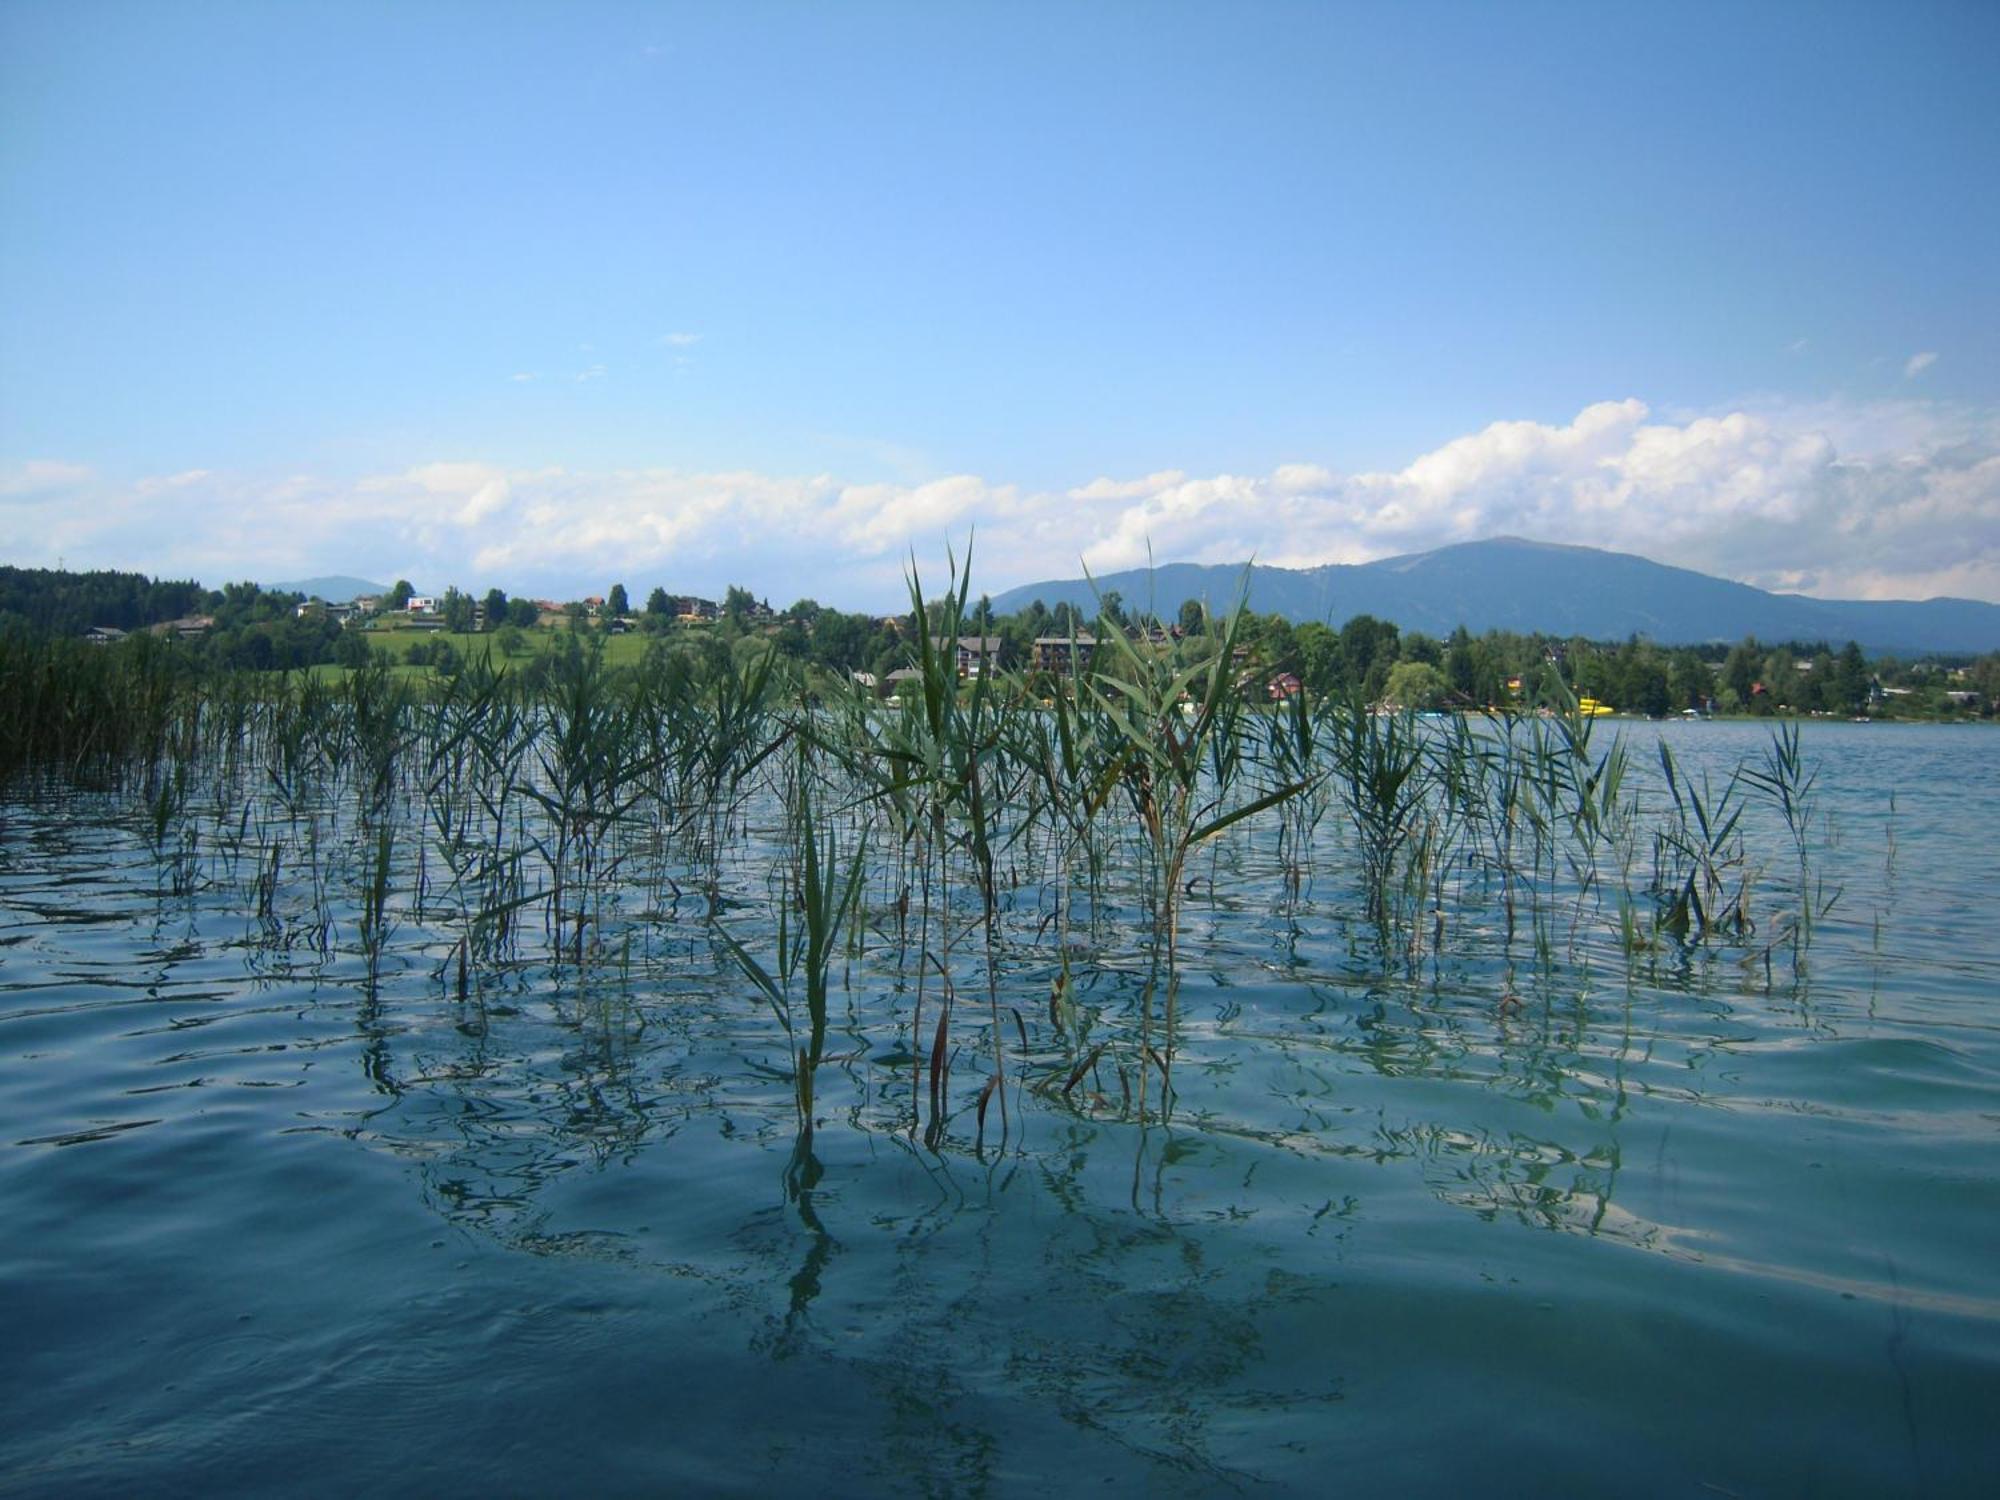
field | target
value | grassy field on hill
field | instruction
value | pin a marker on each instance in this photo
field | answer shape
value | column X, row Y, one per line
column 397, row 642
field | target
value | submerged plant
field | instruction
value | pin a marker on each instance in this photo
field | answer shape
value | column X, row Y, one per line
column 1699, row 874
column 1177, row 779
column 1379, row 759
column 1788, row 781
column 594, row 763
column 824, row 898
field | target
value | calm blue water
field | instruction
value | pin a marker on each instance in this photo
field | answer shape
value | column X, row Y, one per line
column 1708, row 1223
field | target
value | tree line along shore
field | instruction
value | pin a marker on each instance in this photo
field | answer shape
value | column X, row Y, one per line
column 249, row 628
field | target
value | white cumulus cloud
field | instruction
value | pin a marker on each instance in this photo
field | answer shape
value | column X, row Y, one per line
column 1875, row 500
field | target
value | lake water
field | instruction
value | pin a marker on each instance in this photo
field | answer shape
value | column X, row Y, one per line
column 1717, row 1222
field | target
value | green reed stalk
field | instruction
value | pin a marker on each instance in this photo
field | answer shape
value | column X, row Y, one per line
column 1699, row 877
column 1162, row 762
column 1788, row 781
column 1379, row 760
column 826, row 898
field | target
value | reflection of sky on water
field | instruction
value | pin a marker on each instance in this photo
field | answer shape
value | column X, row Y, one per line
column 1357, row 1152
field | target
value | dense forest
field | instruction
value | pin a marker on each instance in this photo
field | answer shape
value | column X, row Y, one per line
column 243, row 625
column 59, row 603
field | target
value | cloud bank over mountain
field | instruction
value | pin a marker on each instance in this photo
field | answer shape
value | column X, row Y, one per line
column 1889, row 499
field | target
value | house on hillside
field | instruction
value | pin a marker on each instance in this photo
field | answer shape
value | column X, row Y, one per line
column 104, row 635
column 971, row 654
column 1284, row 685
column 423, row 604
column 318, row 609
column 1056, row 653
column 186, row 627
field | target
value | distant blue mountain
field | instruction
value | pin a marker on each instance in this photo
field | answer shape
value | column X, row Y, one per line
column 334, row 590
column 1511, row 584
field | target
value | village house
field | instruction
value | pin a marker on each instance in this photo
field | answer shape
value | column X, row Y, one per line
column 318, row 608
column 186, row 627
column 1054, row 653
column 899, row 679
column 971, row 654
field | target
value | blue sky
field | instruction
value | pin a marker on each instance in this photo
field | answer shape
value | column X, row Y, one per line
column 551, row 296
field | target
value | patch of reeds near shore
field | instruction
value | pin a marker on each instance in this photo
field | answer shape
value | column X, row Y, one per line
column 88, row 712
column 986, row 845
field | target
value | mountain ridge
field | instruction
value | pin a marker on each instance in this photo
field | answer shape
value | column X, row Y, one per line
column 1555, row 588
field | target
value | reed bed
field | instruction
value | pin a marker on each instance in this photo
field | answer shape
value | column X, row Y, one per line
column 791, row 839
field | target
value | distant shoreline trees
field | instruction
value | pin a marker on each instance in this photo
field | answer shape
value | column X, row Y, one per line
column 1364, row 658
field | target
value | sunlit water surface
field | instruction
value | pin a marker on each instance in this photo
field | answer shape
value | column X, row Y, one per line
column 1703, row 1223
